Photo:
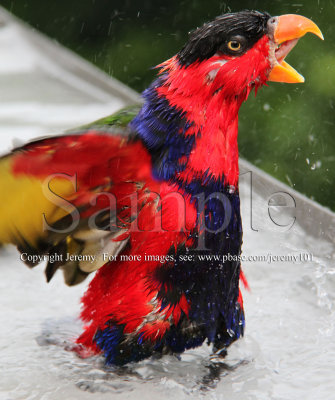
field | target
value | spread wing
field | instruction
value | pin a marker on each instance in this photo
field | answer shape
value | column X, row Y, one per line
column 68, row 198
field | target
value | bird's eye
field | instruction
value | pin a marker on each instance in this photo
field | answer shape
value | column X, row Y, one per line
column 234, row 45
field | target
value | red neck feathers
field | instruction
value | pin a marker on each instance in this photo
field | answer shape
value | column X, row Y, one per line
column 210, row 93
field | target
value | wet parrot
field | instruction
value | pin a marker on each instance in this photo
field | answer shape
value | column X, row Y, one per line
column 148, row 198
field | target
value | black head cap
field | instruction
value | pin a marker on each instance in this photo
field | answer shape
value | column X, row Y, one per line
column 245, row 27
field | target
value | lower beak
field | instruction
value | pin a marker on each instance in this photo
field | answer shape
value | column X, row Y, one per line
column 289, row 29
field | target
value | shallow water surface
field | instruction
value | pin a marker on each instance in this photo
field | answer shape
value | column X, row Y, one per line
column 287, row 351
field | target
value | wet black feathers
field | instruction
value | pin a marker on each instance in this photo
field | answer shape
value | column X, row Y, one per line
column 213, row 37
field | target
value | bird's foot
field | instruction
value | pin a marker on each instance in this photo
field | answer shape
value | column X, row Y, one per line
column 218, row 355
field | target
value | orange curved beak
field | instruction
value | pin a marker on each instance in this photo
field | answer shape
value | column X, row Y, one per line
column 290, row 28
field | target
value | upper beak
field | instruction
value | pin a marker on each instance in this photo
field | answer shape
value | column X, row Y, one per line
column 289, row 29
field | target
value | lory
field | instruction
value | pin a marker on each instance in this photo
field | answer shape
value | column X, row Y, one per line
column 149, row 199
